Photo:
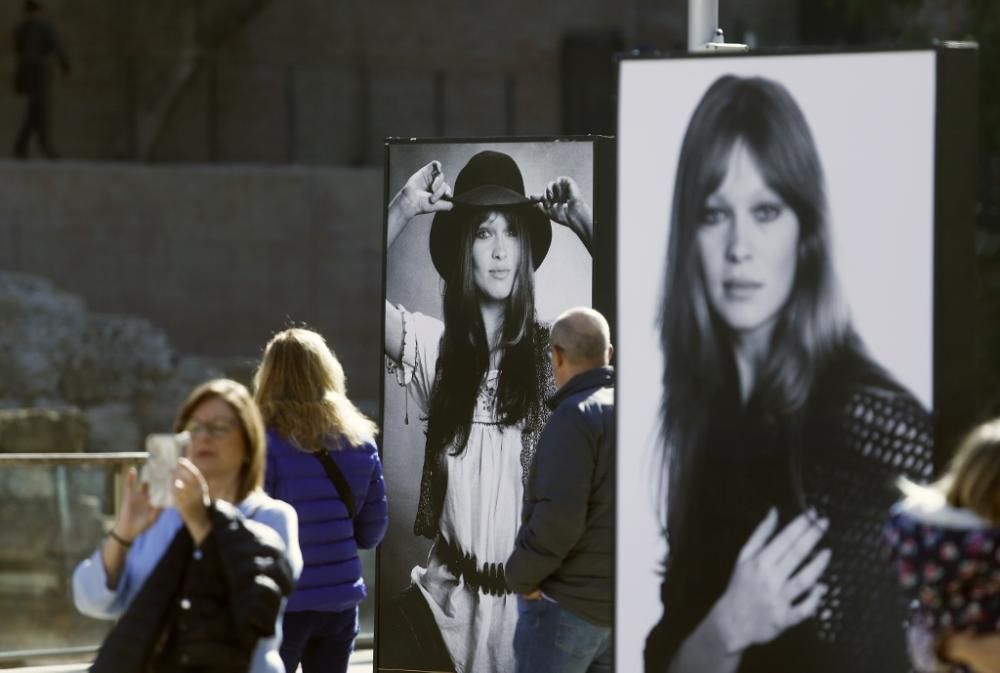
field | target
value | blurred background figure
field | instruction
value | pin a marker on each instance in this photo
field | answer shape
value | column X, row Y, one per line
column 321, row 458
column 945, row 540
column 35, row 44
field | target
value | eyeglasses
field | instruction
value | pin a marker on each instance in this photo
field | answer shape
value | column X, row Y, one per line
column 552, row 347
column 213, row 429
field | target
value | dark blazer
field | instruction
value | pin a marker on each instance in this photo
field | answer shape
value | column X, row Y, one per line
column 566, row 542
column 204, row 608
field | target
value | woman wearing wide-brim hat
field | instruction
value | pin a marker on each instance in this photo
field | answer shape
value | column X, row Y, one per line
column 480, row 378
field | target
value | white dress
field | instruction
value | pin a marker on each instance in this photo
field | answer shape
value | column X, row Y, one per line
column 481, row 513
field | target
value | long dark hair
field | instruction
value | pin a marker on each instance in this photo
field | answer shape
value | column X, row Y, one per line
column 813, row 324
column 464, row 355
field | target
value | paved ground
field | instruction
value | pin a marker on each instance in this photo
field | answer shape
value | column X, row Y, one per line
column 361, row 662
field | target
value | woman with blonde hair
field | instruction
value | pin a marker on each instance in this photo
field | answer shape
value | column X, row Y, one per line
column 322, row 459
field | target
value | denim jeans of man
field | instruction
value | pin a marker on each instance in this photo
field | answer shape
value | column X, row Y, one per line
column 551, row 639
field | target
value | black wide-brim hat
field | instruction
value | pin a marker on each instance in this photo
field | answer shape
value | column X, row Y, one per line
column 489, row 181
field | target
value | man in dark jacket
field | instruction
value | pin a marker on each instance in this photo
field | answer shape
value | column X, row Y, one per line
column 35, row 43
column 563, row 556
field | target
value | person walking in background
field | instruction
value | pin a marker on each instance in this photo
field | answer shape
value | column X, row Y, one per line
column 945, row 544
column 200, row 585
column 562, row 559
column 322, row 459
column 35, row 43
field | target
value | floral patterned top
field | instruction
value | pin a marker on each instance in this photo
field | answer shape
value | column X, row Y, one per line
column 948, row 563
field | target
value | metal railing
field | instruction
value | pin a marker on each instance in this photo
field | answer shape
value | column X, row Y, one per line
column 61, row 464
column 60, row 461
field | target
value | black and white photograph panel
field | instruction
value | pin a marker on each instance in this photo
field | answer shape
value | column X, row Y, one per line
column 775, row 303
column 486, row 244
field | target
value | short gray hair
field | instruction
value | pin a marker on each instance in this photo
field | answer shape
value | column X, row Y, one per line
column 583, row 335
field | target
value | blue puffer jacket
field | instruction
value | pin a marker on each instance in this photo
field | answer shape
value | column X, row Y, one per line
column 331, row 577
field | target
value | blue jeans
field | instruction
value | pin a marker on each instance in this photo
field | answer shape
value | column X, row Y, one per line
column 550, row 639
column 322, row 641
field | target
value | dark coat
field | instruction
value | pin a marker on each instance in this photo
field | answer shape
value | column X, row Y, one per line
column 566, row 542
column 204, row 608
column 35, row 43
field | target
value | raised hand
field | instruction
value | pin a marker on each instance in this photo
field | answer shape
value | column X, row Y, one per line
column 136, row 514
column 563, row 202
column 191, row 498
column 764, row 597
column 426, row 191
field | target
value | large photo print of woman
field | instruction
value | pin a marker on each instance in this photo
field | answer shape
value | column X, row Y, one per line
column 486, row 244
column 785, row 400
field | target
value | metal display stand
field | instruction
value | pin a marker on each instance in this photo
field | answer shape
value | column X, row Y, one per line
column 704, row 33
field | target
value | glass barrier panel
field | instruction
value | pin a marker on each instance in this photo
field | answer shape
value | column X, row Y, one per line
column 54, row 511
column 54, row 515
column 366, row 615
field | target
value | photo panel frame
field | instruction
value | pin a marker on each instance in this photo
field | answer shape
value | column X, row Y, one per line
column 795, row 331
column 440, row 580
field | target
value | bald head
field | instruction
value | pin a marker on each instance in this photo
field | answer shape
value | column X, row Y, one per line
column 583, row 336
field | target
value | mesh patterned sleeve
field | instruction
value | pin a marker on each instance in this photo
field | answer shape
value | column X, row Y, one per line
column 886, row 434
column 858, row 436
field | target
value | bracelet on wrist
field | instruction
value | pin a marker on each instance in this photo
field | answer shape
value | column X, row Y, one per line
column 119, row 539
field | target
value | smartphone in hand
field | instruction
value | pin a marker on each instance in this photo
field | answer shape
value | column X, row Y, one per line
column 164, row 450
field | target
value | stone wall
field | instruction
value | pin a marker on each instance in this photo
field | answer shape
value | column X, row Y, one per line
column 72, row 380
column 314, row 81
column 215, row 260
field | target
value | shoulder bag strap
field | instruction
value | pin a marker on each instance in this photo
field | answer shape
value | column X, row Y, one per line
column 338, row 480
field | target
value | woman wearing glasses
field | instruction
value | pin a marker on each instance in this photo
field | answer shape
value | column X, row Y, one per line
column 199, row 585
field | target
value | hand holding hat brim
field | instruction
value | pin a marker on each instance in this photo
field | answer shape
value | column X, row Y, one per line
column 426, row 191
column 440, row 194
column 563, row 202
column 561, row 196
